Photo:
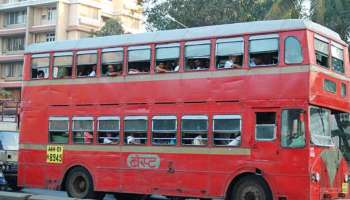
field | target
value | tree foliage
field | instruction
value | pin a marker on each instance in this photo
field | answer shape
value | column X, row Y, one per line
column 111, row 27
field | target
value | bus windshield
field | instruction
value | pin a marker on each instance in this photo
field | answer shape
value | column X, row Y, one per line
column 341, row 132
column 320, row 126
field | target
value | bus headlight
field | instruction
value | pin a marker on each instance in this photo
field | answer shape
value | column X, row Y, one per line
column 315, row 177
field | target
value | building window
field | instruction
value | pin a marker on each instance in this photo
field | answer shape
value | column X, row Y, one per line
column 112, row 61
column 58, row 130
column 263, row 50
column 265, row 128
column 108, row 130
column 139, row 60
column 89, row 12
column 83, row 130
column 293, row 128
column 321, row 52
column 292, row 51
column 194, row 130
column 167, row 58
column 227, row 130
column 229, row 53
column 337, row 59
column 164, row 130
column 50, row 37
column 40, row 66
column 62, row 65
column 86, row 63
column 135, row 130
column 330, row 86
column 9, row 70
column 13, row 44
column 197, row 55
column 16, row 17
column 51, row 14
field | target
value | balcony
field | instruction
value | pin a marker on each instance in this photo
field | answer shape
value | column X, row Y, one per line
column 13, row 30
column 10, row 4
column 11, row 56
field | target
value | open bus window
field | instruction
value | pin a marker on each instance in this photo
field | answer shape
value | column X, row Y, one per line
column 83, row 130
column 194, row 130
column 263, row 50
column 227, row 130
column 292, row 51
column 86, row 63
column 229, row 53
column 40, row 66
column 62, row 65
column 108, row 130
column 112, row 61
column 58, row 130
column 164, row 130
column 293, row 128
column 265, row 128
column 167, row 58
column 337, row 59
column 197, row 55
column 135, row 130
column 139, row 60
column 321, row 53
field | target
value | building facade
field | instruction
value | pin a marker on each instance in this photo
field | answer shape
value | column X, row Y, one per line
column 23, row 22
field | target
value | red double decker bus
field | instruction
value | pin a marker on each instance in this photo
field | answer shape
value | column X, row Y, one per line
column 255, row 110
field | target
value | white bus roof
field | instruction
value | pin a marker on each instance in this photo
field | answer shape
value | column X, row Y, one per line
column 184, row 34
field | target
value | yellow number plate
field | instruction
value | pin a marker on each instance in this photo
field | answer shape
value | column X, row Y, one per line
column 54, row 154
column 344, row 188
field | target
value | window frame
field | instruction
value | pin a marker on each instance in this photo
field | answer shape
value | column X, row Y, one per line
column 138, row 48
column 304, row 123
column 167, row 46
column 83, row 118
column 164, row 117
column 230, row 40
column 136, row 117
column 264, row 37
column 339, row 47
column 40, row 55
column 275, row 127
column 63, row 54
column 107, row 118
column 329, row 81
column 194, row 117
column 323, row 40
column 227, row 116
column 196, row 43
column 301, row 50
column 114, row 50
column 58, row 118
column 86, row 52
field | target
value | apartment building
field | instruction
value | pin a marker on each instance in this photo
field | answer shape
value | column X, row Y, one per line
column 23, row 22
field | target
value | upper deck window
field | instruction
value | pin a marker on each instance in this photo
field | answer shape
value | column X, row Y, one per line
column 229, row 53
column 321, row 52
column 86, row 63
column 167, row 58
column 227, row 130
column 292, row 51
column 263, row 50
column 40, row 66
column 108, row 129
column 112, row 61
column 62, row 65
column 58, row 130
column 135, row 130
column 197, row 55
column 337, row 58
column 194, row 130
column 83, row 130
column 139, row 59
column 164, row 130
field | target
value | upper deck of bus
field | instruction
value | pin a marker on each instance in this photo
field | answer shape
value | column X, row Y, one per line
column 284, row 38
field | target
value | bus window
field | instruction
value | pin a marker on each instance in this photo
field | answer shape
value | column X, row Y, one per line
column 86, row 63
column 292, row 51
column 197, row 55
column 40, row 66
column 227, row 130
column 194, row 130
column 112, row 61
column 58, row 130
column 167, row 58
column 263, row 50
column 108, row 130
column 343, row 90
column 265, row 128
column 139, row 60
column 135, row 130
column 293, row 128
column 164, row 130
column 337, row 59
column 321, row 51
column 62, row 65
column 82, row 130
column 330, row 86
column 229, row 53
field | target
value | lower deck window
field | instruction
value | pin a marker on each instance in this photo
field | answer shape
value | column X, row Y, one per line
column 227, row 130
column 293, row 130
column 108, row 130
column 164, row 130
column 83, row 130
column 194, row 130
column 265, row 128
column 58, row 130
column 135, row 130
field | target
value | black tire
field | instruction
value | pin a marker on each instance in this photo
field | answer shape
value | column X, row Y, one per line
column 79, row 184
column 124, row 196
column 251, row 188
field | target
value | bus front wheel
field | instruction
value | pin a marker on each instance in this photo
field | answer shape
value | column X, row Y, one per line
column 79, row 185
column 251, row 188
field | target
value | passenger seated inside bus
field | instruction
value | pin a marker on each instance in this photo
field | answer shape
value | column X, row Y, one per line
column 88, row 70
column 41, row 74
column 108, row 138
column 199, row 140
column 88, row 138
column 233, row 62
column 198, row 64
column 235, row 141
column 132, row 140
column 263, row 59
column 112, row 70
column 139, row 67
column 167, row 66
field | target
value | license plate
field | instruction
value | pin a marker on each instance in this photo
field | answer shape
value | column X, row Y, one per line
column 344, row 188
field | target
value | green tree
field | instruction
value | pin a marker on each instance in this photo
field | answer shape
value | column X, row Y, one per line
column 284, row 9
column 111, row 27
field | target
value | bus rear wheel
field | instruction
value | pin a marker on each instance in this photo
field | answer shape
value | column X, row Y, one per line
column 251, row 188
column 79, row 185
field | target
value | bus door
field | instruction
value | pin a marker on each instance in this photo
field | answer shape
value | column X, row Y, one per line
column 265, row 145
